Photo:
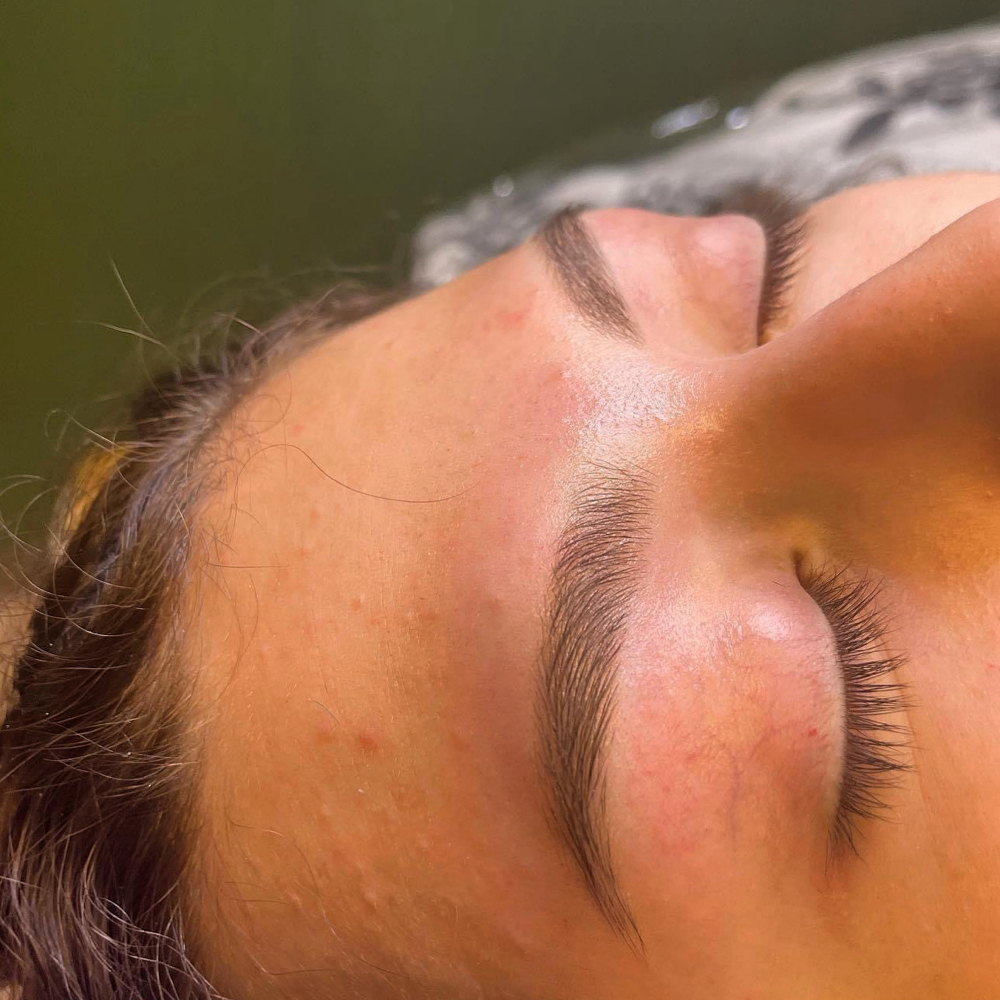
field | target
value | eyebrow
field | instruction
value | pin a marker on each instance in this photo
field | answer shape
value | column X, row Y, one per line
column 599, row 556
column 583, row 274
column 592, row 589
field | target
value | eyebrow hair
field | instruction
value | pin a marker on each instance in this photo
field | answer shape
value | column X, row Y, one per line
column 593, row 583
column 583, row 273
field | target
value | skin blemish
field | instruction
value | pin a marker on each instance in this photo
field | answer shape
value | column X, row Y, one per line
column 325, row 734
column 812, row 732
column 367, row 742
column 327, row 725
column 512, row 318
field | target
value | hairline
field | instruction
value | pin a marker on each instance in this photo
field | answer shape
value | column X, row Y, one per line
column 151, row 491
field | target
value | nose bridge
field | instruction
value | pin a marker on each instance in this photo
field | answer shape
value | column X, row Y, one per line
column 894, row 388
column 911, row 351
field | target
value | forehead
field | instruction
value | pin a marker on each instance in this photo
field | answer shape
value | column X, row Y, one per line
column 368, row 612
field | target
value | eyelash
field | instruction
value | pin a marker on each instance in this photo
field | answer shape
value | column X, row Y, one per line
column 785, row 241
column 874, row 748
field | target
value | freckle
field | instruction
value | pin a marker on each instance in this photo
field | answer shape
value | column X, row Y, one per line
column 367, row 743
column 356, row 604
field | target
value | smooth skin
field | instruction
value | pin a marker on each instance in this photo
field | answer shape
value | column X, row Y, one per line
column 366, row 667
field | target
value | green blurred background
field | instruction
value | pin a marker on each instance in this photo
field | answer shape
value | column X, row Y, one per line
column 186, row 142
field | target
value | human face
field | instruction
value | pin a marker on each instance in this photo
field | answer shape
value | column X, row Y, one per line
column 457, row 527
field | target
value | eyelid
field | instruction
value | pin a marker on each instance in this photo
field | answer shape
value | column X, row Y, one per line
column 875, row 747
column 782, row 216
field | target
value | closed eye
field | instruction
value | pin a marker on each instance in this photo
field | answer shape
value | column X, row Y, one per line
column 875, row 742
column 783, row 219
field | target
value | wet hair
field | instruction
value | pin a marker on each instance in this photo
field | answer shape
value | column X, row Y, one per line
column 99, row 769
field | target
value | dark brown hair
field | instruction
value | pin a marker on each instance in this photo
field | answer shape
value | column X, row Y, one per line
column 98, row 750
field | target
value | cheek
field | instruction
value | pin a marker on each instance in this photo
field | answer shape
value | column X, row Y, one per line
column 726, row 753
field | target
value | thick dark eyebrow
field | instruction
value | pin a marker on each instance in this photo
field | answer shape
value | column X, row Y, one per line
column 593, row 584
column 583, row 274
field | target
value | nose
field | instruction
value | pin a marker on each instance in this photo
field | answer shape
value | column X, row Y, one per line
column 692, row 285
column 886, row 402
